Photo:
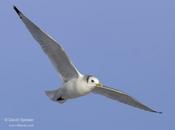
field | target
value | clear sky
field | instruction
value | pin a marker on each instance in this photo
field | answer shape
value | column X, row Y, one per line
column 128, row 45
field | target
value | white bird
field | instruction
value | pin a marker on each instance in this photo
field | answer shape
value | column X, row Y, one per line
column 75, row 83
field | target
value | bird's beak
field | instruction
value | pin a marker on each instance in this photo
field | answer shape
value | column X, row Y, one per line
column 98, row 84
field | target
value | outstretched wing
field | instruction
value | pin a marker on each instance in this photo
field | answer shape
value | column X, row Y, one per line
column 53, row 50
column 121, row 97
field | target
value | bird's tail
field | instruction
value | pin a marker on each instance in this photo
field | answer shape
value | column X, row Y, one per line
column 54, row 95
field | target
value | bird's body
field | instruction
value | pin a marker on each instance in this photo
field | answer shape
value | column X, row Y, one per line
column 75, row 84
column 72, row 89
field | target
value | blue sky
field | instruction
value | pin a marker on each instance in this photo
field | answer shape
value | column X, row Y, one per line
column 128, row 45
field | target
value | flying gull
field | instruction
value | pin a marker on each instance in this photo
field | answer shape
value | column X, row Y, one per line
column 75, row 84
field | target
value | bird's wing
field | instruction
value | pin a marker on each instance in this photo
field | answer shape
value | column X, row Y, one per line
column 121, row 97
column 53, row 50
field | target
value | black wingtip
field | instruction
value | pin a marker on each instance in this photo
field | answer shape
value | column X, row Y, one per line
column 158, row 112
column 17, row 11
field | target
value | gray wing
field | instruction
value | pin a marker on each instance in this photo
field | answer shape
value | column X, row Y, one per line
column 53, row 50
column 121, row 97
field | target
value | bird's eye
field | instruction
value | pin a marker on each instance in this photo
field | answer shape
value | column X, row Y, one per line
column 92, row 81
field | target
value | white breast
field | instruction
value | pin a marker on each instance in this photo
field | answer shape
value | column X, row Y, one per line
column 75, row 88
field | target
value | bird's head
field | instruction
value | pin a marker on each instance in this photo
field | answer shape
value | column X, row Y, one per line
column 92, row 81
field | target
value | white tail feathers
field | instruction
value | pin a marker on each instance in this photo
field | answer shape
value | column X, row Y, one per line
column 51, row 94
column 54, row 95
